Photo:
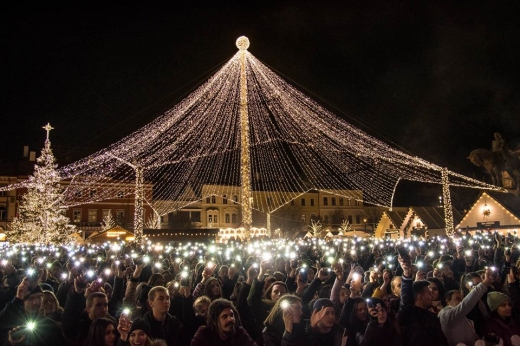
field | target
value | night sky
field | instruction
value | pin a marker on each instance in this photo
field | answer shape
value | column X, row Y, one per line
column 435, row 79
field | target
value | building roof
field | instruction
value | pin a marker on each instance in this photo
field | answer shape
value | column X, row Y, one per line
column 433, row 217
column 397, row 215
column 508, row 200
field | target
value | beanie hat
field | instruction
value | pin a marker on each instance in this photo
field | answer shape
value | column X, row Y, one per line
column 142, row 324
column 35, row 289
column 375, row 301
column 322, row 302
column 495, row 299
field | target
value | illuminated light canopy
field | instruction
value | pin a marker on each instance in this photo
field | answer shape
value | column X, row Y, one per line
column 295, row 146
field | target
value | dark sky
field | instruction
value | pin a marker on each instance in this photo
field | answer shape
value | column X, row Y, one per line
column 434, row 78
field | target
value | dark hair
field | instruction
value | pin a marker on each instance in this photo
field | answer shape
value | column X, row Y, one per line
column 418, row 288
column 215, row 309
column 207, row 289
column 465, row 279
column 353, row 314
column 96, row 333
column 90, row 298
column 153, row 279
column 440, row 287
column 448, row 295
column 267, row 294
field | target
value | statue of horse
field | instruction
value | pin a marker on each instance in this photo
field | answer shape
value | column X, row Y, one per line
column 496, row 164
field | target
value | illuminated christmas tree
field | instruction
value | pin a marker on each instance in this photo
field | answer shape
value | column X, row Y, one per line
column 108, row 222
column 41, row 214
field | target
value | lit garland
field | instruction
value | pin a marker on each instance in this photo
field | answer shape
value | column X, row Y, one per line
column 245, row 164
column 448, row 211
column 195, row 150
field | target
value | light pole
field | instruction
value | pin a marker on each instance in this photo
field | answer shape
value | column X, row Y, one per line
column 365, row 221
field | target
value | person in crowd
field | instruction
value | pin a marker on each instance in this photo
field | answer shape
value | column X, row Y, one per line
column 383, row 328
column 83, row 306
column 22, row 315
column 322, row 329
column 419, row 325
column 209, row 286
column 137, row 333
column 163, row 325
column 102, row 332
column 51, row 307
column 455, row 325
column 500, row 321
column 261, row 306
column 223, row 327
column 438, row 291
column 283, row 322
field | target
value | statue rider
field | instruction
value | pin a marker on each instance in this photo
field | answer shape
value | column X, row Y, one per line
column 499, row 148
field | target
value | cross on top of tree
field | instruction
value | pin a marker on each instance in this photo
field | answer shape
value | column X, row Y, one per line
column 48, row 128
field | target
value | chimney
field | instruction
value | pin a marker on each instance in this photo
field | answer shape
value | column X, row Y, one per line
column 25, row 150
column 32, row 156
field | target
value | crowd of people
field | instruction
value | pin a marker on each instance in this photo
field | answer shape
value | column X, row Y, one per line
column 349, row 291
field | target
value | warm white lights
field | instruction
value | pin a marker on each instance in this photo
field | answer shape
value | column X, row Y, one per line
column 247, row 123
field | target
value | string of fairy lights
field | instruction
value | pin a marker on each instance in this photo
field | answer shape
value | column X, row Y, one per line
column 194, row 150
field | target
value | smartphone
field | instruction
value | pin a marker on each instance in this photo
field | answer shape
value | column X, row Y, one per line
column 370, row 304
column 403, row 253
column 28, row 328
column 303, row 275
column 185, row 282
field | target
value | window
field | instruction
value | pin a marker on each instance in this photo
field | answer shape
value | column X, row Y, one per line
column 358, row 219
column 76, row 216
column 325, row 201
column 120, row 216
column 195, row 216
column 92, row 193
column 105, row 213
column 333, row 201
column 235, row 199
column 304, row 218
column 227, row 218
column 77, row 194
column 208, row 200
column 326, row 219
column 3, row 193
column 92, row 215
column 213, row 200
column 120, row 194
column 341, row 202
column 215, row 218
column 313, row 216
column 312, row 202
column 3, row 213
column 349, row 202
column 349, row 219
column 303, row 202
column 234, row 218
column 224, row 199
column 210, row 218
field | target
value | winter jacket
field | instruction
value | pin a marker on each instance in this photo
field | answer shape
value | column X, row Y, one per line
column 419, row 326
column 455, row 325
column 207, row 337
